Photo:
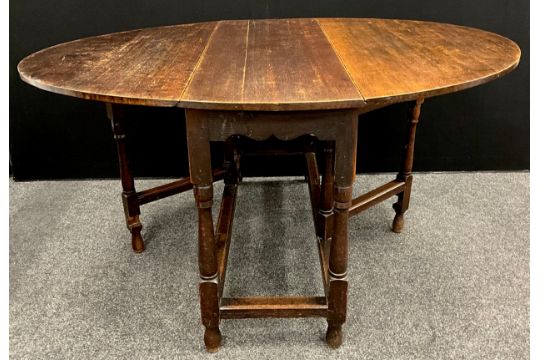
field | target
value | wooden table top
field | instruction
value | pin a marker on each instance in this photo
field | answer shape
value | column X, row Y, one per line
column 285, row 64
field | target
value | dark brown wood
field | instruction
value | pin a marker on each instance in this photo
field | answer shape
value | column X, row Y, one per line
column 226, row 212
column 339, row 126
column 274, row 307
column 262, row 125
column 326, row 208
column 375, row 196
column 405, row 173
column 322, row 207
column 201, row 177
column 279, row 64
column 129, row 195
column 162, row 191
column 272, row 146
column 314, row 182
column 224, row 231
column 132, row 199
column 173, row 188
column 323, row 247
column 345, row 169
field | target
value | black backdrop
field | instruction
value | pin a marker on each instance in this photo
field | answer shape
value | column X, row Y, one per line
column 58, row 137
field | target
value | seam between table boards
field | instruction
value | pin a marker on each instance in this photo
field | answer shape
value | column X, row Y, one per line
column 340, row 60
column 201, row 58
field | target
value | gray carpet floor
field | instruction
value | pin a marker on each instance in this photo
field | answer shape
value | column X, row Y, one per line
column 454, row 285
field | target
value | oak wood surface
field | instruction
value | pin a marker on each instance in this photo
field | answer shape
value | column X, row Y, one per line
column 142, row 67
column 270, row 64
column 401, row 60
column 282, row 64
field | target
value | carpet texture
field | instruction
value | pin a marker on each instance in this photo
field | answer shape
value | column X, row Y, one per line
column 454, row 285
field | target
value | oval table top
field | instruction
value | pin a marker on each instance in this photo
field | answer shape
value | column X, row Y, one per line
column 282, row 64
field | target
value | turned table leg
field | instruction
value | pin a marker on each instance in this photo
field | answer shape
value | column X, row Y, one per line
column 129, row 195
column 405, row 173
column 345, row 166
column 326, row 205
column 201, row 178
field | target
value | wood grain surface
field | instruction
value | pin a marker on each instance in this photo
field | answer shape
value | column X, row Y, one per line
column 272, row 64
column 402, row 59
column 143, row 67
column 282, row 64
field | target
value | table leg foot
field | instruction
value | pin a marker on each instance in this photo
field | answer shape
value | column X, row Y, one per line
column 334, row 336
column 135, row 227
column 399, row 222
column 212, row 339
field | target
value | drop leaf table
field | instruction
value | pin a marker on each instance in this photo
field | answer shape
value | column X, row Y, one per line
column 284, row 79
